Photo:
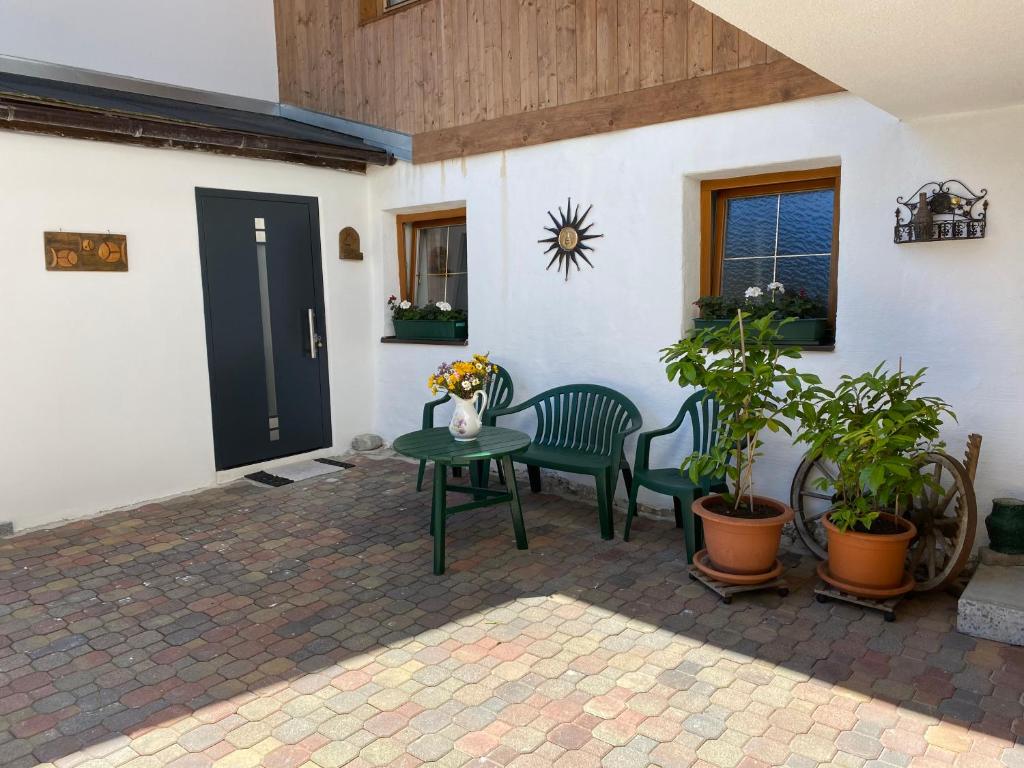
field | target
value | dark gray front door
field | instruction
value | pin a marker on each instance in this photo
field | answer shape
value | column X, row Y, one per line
column 263, row 287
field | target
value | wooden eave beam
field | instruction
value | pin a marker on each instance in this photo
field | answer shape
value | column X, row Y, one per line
column 38, row 117
column 753, row 86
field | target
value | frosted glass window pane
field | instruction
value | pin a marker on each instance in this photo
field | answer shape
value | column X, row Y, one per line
column 740, row 274
column 810, row 273
column 805, row 222
column 750, row 226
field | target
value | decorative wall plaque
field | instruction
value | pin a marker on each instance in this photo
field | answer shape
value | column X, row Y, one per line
column 85, row 252
column 569, row 238
column 348, row 243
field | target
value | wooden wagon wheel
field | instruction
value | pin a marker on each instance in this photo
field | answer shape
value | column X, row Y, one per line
column 946, row 517
column 810, row 503
column 954, row 524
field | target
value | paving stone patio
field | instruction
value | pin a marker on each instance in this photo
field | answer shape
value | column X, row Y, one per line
column 301, row 626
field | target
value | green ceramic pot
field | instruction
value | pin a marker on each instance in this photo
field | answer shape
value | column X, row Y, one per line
column 1006, row 526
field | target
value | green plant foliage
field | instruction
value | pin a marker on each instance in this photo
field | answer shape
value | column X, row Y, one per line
column 876, row 432
column 429, row 311
column 717, row 307
column 744, row 372
column 798, row 305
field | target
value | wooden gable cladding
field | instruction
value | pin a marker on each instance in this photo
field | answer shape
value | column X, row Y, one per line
column 492, row 71
column 784, row 80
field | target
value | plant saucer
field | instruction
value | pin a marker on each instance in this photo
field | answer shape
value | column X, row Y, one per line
column 705, row 566
column 874, row 593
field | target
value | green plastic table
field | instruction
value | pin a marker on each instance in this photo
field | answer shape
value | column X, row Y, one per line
column 438, row 446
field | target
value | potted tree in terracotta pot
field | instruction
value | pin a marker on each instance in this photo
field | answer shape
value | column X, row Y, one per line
column 743, row 370
column 876, row 432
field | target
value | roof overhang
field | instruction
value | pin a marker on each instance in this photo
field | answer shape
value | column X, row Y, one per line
column 88, row 111
column 912, row 58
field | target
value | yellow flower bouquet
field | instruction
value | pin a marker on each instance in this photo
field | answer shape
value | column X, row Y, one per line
column 463, row 378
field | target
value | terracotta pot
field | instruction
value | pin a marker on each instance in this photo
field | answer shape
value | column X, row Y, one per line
column 740, row 545
column 868, row 564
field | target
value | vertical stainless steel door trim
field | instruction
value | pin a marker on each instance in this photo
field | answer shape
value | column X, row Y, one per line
column 268, row 336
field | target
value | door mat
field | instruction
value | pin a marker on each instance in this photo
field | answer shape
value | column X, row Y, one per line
column 265, row 478
column 302, row 470
column 336, row 463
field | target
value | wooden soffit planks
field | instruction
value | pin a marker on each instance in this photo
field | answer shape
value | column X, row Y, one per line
column 752, row 86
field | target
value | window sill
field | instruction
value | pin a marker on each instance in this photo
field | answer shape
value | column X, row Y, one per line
column 827, row 347
column 435, row 342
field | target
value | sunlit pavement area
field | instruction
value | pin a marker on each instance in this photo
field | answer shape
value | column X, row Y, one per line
column 302, row 625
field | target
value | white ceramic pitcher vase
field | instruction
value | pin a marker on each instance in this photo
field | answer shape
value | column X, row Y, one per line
column 465, row 424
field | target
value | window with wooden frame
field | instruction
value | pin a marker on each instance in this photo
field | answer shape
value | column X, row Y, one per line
column 370, row 10
column 432, row 259
column 775, row 227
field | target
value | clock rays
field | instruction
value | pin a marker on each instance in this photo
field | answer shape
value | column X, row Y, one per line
column 568, row 240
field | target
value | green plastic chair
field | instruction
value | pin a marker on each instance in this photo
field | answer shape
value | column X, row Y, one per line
column 701, row 410
column 500, row 392
column 580, row 429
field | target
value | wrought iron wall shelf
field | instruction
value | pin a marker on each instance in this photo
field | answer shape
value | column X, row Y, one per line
column 946, row 210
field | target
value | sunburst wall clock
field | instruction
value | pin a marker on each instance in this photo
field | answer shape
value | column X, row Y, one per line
column 569, row 238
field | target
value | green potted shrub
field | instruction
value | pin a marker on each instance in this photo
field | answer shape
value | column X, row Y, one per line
column 876, row 431
column 743, row 370
column 434, row 321
column 808, row 318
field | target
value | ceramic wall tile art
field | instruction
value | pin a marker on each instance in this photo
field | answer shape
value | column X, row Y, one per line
column 85, row 252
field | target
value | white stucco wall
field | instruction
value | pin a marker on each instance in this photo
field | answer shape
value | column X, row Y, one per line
column 103, row 376
column 227, row 46
column 954, row 307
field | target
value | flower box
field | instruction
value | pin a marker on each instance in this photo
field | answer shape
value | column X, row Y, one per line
column 806, row 330
column 419, row 330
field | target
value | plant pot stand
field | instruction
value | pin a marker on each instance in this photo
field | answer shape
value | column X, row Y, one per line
column 825, row 592
column 726, row 591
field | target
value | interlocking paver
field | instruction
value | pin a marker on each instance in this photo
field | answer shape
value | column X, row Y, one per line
column 813, row 747
column 705, row 726
column 431, row 747
column 302, row 626
column 569, row 736
column 623, row 757
column 719, row 753
column 859, row 744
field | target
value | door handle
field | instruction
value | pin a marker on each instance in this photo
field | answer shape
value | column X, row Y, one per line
column 314, row 337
